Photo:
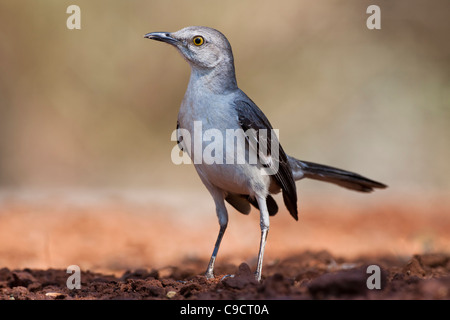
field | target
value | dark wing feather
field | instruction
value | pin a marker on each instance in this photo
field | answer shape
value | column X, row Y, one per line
column 251, row 117
column 241, row 203
column 272, row 206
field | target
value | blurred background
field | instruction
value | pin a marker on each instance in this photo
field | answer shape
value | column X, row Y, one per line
column 93, row 109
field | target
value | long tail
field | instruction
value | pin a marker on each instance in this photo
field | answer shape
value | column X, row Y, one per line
column 350, row 180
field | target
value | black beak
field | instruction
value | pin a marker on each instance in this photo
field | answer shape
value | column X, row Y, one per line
column 161, row 36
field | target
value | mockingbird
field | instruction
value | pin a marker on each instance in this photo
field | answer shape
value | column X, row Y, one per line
column 214, row 98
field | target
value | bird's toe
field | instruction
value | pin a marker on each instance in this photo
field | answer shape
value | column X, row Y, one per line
column 227, row 276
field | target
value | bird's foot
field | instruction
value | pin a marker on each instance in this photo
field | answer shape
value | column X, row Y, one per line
column 210, row 276
column 227, row 276
column 258, row 276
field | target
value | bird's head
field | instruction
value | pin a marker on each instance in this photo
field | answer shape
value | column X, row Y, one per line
column 202, row 47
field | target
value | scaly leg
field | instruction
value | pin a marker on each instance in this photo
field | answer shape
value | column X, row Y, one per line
column 264, row 223
column 222, row 214
column 210, row 270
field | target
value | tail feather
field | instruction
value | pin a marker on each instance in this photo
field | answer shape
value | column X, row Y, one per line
column 350, row 180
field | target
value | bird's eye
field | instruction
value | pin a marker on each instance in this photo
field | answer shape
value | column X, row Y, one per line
column 198, row 40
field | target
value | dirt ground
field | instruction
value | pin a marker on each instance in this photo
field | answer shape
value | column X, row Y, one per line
column 307, row 275
column 149, row 250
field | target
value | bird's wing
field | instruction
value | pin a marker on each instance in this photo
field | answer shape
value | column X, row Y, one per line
column 251, row 117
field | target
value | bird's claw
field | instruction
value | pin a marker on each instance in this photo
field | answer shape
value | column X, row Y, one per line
column 227, row 276
column 209, row 275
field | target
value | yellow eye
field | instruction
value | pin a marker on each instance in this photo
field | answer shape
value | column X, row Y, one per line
column 198, row 40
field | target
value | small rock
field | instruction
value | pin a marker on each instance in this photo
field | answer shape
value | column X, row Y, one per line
column 171, row 294
column 55, row 295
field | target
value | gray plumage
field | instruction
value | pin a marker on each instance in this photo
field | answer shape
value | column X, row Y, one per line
column 214, row 99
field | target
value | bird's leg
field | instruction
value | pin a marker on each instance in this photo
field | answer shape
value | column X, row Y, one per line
column 264, row 223
column 262, row 246
column 222, row 214
column 210, row 270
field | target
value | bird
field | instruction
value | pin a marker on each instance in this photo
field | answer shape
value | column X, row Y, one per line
column 214, row 100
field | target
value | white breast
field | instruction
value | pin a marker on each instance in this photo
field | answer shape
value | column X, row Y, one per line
column 208, row 115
